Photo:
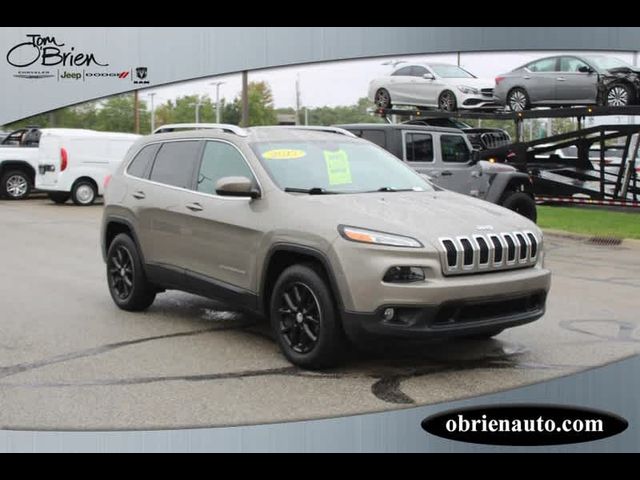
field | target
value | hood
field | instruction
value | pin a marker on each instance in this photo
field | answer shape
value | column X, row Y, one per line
column 621, row 70
column 425, row 216
column 474, row 82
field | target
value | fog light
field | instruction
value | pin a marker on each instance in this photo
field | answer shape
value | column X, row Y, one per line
column 388, row 314
column 404, row 275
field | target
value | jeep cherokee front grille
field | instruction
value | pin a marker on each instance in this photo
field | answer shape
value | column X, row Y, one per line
column 482, row 253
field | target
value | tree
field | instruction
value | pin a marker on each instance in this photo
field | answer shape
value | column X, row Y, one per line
column 183, row 110
column 261, row 111
column 360, row 112
column 116, row 114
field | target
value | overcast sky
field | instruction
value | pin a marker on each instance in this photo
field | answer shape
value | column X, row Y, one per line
column 342, row 83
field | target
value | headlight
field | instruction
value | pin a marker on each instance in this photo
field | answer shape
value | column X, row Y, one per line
column 363, row 235
column 468, row 90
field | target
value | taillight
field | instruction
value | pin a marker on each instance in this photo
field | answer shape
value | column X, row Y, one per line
column 498, row 80
column 107, row 179
column 64, row 159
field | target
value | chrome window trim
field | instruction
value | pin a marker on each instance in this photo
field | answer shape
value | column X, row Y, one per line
column 197, row 139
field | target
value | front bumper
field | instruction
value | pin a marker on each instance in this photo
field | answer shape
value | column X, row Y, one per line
column 476, row 101
column 471, row 316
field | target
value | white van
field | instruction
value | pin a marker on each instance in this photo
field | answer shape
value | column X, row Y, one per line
column 75, row 163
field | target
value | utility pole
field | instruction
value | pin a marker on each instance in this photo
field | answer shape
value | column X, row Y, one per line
column 198, row 105
column 217, row 85
column 153, row 112
column 136, row 112
column 306, row 115
column 298, row 99
column 244, row 119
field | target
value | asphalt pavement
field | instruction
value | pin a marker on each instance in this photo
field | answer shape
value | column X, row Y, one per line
column 69, row 359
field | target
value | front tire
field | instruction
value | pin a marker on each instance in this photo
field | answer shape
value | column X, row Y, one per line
column 521, row 203
column 84, row 193
column 59, row 197
column 305, row 320
column 619, row 95
column 382, row 99
column 15, row 185
column 447, row 101
column 128, row 284
column 518, row 100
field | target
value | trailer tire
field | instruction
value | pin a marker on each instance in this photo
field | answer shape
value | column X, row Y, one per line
column 521, row 203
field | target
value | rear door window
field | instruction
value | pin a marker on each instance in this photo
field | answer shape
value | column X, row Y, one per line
column 403, row 72
column 454, row 149
column 418, row 147
column 139, row 167
column 176, row 163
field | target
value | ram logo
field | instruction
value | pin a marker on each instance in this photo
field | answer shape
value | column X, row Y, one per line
column 484, row 228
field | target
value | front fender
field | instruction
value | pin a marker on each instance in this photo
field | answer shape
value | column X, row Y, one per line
column 507, row 181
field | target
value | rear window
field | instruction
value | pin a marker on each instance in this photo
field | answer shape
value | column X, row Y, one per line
column 140, row 164
column 375, row 136
column 175, row 164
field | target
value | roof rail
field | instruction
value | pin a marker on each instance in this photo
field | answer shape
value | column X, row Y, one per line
column 227, row 128
column 316, row 128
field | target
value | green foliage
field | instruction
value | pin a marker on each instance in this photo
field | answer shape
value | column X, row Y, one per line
column 590, row 221
column 116, row 113
column 342, row 114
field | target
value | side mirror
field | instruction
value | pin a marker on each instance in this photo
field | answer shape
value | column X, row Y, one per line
column 428, row 76
column 236, row 187
column 585, row 69
column 475, row 157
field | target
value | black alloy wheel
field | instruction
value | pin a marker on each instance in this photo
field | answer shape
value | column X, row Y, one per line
column 121, row 272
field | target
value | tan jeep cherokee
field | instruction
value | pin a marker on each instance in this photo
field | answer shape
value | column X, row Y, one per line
column 328, row 235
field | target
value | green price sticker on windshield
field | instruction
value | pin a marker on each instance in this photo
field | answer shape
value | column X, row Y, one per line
column 338, row 168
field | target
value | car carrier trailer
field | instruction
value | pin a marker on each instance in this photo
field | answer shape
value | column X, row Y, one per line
column 557, row 178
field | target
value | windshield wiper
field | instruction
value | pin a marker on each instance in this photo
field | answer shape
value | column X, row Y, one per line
column 310, row 191
column 391, row 189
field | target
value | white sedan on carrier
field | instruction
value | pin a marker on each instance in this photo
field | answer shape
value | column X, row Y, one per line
column 438, row 85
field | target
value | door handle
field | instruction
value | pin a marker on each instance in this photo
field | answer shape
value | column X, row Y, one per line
column 195, row 207
column 446, row 173
column 139, row 195
column 561, row 79
column 527, row 77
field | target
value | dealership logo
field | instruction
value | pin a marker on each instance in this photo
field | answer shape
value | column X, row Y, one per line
column 70, row 75
column 141, row 76
column 48, row 51
column 121, row 75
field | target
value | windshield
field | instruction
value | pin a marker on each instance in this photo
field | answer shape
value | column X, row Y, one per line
column 450, row 71
column 336, row 167
column 606, row 63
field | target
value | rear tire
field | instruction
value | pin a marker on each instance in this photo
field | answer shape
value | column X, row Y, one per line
column 447, row 101
column 128, row 284
column 382, row 99
column 59, row 197
column 15, row 185
column 521, row 203
column 84, row 193
column 305, row 320
column 518, row 100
